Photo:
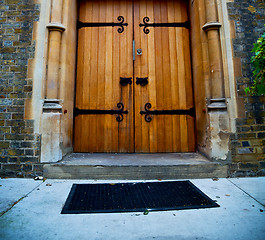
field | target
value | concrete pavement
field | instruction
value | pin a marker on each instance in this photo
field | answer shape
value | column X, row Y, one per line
column 31, row 210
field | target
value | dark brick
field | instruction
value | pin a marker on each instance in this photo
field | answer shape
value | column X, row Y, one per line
column 27, row 144
column 15, row 123
column 14, row 137
column 3, row 159
column 248, row 165
column 38, row 168
column 258, row 128
column 245, row 144
column 4, row 145
column 12, row 167
column 17, row 116
column 29, row 152
column 4, row 130
column 261, row 135
column 15, row 152
column 26, row 167
column 13, row 160
column 29, row 159
column 246, row 135
column 27, row 130
column 15, row 130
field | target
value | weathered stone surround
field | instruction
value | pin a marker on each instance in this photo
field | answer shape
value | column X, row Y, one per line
column 19, row 146
column 248, row 144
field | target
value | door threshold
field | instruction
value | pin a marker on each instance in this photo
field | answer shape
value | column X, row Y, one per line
column 134, row 159
column 122, row 166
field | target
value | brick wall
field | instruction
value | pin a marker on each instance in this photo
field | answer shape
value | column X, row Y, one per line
column 248, row 144
column 19, row 146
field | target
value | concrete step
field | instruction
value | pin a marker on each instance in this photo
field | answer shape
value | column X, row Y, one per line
column 135, row 166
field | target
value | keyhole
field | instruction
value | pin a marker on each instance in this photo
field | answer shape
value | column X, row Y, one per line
column 139, row 51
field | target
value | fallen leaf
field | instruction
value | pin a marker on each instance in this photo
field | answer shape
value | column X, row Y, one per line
column 215, row 179
column 228, row 195
column 146, row 212
column 48, row 184
column 159, row 179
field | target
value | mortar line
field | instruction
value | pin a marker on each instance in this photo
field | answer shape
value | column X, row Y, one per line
column 16, row 202
column 246, row 193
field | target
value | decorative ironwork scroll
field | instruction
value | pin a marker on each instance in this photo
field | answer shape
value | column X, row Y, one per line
column 147, row 112
column 146, row 25
column 118, row 112
column 120, row 24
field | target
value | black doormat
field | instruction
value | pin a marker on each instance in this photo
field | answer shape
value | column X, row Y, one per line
column 135, row 197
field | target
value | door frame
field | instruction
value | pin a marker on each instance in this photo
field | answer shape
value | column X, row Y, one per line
column 213, row 125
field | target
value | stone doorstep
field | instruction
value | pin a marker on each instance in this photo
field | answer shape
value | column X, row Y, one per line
column 134, row 167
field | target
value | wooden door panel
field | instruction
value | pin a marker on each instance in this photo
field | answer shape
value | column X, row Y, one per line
column 104, row 55
column 165, row 60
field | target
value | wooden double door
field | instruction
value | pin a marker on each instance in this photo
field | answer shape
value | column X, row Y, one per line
column 134, row 88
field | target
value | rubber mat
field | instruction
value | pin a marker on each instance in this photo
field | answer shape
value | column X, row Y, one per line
column 135, row 197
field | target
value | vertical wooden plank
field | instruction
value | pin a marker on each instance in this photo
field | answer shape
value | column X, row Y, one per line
column 116, row 75
column 152, row 79
column 130, row 103
column 108, row 127
column 144, row 73
column 167, row 78
column 189, row 91
column 159, row 78
column 174, row 78
column 122, row 126
column 79, row 80
column 181, row 76
column 101, row 78
column 93, row 91
column 137, row 72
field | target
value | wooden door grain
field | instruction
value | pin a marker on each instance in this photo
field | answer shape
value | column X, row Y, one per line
column 105, row 55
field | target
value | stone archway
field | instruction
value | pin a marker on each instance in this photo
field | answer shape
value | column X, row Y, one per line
column 53, row 87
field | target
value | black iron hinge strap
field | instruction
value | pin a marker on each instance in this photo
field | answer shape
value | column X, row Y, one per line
column 120, row 24
column 118, row 112
column 147, row 112
column 146, row 24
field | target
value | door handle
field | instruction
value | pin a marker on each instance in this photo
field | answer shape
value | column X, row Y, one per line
column 125, row 81
column 142, row 81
